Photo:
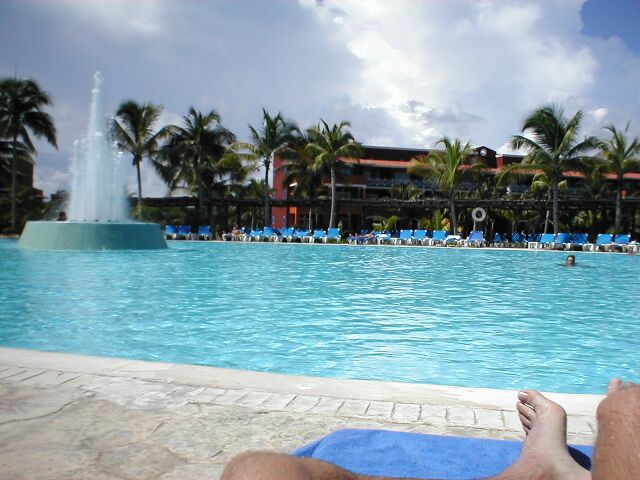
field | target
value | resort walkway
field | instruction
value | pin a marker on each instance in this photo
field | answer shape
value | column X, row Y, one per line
column 77, row 417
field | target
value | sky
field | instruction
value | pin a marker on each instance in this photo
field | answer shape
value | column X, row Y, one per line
column 403, row 72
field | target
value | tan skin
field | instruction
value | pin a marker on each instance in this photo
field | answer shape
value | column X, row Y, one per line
column 544, row 453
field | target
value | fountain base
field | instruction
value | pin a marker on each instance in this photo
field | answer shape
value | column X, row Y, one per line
column 91, row 236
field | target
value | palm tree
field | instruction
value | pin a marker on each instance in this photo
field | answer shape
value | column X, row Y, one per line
column 300, row 171
column 273, row 136
column 405, row 191
column 553, row 148
column 21, row 104
column 194, row 156
column 621, row 156
column 328, row 146
column 447, row 168
column 133, row 129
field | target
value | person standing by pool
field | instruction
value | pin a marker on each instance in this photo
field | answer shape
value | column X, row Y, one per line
column 544, row 452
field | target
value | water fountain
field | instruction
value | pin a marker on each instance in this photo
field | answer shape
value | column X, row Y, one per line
column 97, row 209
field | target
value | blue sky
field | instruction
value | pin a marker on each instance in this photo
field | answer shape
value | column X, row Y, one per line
column 404, row 72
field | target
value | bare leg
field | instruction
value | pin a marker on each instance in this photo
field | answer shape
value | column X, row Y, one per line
column 544, row 453
column 617, row 452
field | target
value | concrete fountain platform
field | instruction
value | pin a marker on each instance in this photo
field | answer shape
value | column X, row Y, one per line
column 91, row 236
column 68, row 416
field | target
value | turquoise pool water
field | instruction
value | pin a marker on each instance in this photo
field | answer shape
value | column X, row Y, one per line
column 471, row 317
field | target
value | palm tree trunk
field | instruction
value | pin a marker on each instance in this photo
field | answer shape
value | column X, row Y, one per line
column 546, row 221
column 618, row 220
column 452, row 208
column 267, row 209
column 14, row 184
column 333, row 197
column 201, row 207
column 139, row 185
column 310, row 218
column 554, row 192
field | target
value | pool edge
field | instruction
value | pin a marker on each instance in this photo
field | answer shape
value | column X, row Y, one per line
column 227, row 378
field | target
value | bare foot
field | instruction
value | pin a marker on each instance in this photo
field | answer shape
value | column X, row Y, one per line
column 544, row 452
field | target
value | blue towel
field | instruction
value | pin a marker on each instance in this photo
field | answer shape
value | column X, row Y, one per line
column 414, row 455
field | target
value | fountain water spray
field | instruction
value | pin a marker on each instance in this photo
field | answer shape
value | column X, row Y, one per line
column 97, row 181
column 98, row 206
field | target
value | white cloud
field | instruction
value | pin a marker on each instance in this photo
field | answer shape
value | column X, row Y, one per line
column 471, row 69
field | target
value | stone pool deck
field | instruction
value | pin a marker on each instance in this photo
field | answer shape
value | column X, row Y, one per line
column 68, row 416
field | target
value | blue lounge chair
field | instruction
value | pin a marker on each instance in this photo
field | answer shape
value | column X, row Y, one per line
column 620, row 242
column 475, row 239
column 268, row 234
column 299, row 234
column 544, row 241
column 332, row 234
column 520, row 240
column 602, row 240
column 253, row 235
column 383, row 237
column 318, row 235
column 364, row 238
column 286, row 234
column 499, row 240
column 559, row 241
column 204, row 233
column 184, row 232
column 415, row 455
column 419, row 237
column 403, row 237
column 171, row 232
column 577, row 240
column 438, row 237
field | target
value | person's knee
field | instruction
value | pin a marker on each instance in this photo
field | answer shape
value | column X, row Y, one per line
column 242, row 466
column 624, row 402
column 262, row 466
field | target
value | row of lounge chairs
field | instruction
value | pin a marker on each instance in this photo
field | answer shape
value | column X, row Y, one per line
column 561, row 241
column 580, row 241
column 291, row 234
column 418, row 237
column 183, row 232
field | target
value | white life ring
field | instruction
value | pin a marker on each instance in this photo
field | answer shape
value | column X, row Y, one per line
column 479, row 214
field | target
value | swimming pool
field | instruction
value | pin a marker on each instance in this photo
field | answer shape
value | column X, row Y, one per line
column 470, row 317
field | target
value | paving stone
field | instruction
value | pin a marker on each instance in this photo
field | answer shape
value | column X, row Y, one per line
column 460, row 416
column 578, row 425
column 406, row 412
column 230, row 397
column 327, row 405
column 489, row 419
column 380, row 409
column 184, row 394
column 81, row 380
column 433, row 414
column 278, row 401
column 511, row 421
column 303, row 403
column 11, row 371
column 24, row 375
column 50, row 378
column 208, row 395
column 253, row 399
column 354, row 407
